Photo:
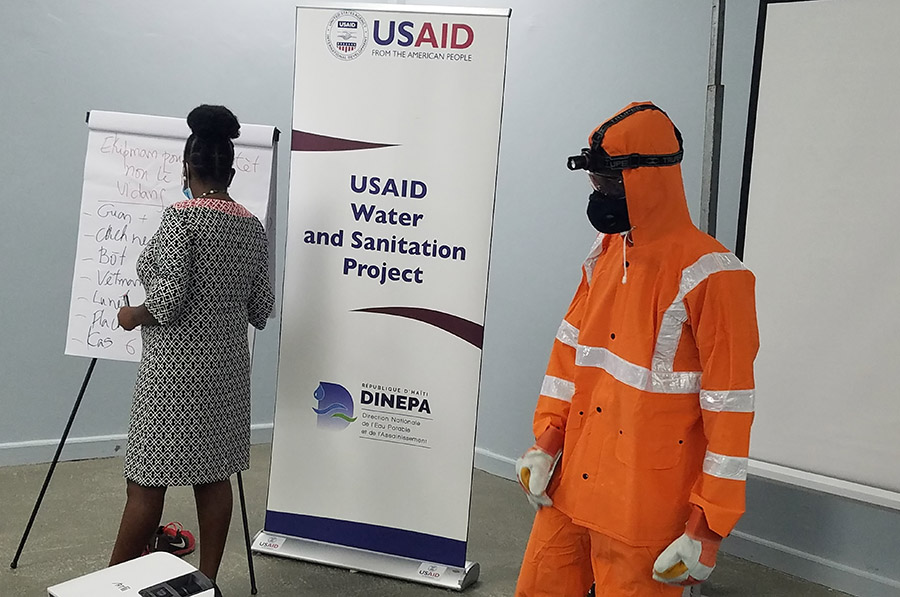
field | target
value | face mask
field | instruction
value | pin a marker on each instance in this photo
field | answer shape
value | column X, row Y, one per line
column 608, row 215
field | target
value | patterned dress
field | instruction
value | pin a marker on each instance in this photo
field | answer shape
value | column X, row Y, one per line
column 205, row 272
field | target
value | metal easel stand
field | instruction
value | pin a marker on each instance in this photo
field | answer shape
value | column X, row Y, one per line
column 240, row 481
column 62, row 442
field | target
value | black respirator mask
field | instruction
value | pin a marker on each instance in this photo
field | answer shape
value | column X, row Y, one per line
column 607, row 208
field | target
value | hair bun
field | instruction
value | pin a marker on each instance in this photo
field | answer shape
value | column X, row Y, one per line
column 213, row 122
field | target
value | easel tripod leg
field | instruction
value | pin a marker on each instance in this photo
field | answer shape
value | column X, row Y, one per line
column 240, row 481
column 62, row 442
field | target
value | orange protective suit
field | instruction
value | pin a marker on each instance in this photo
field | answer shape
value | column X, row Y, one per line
column 650, row 377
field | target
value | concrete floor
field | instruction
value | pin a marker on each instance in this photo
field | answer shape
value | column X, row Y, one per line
column 76, row 526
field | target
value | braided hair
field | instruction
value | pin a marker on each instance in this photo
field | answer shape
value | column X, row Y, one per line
column 209, row 150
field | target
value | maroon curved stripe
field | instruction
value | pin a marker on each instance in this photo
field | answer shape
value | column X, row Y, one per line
column 471, row 332
column 303, row 141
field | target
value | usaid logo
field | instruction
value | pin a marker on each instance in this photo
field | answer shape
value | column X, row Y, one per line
column 432, row 571
column 454, row 36
column 272, row 542
column 346, row 35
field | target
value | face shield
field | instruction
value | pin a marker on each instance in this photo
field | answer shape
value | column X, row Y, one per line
column 608, row 183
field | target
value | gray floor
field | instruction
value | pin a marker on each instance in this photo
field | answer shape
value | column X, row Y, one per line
column 77, row 522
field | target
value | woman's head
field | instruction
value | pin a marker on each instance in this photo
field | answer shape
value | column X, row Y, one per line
column 209, row 151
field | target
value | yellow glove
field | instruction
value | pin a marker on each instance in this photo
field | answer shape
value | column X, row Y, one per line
column 691, row 558
column 535, row 468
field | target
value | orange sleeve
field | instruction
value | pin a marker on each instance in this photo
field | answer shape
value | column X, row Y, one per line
column 722, row 314
column 558, row 386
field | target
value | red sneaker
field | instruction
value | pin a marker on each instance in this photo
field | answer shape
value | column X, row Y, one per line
column 172, row 538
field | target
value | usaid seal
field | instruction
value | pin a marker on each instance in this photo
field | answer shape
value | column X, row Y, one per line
column 346, row 35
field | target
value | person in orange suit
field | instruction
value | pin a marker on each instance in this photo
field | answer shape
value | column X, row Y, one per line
column 642, row 426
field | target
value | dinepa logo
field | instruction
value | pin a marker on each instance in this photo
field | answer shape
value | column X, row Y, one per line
column 346, row 35
column 335, row 406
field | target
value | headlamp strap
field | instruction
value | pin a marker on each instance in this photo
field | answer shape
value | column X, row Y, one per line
column 634, row 160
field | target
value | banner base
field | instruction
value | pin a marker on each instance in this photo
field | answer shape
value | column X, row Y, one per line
column 350, row 558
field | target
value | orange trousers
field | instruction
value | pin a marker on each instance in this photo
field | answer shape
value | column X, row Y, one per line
column 563, row 559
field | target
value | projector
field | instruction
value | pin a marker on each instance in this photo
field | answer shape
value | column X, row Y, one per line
column 158, row 574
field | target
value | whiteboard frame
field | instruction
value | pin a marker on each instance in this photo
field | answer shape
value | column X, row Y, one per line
column 831, row 485
column 758, row 468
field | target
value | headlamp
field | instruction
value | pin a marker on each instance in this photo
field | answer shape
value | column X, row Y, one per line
column 595, row 158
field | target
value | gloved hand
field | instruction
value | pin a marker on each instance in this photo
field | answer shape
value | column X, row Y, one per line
column 690, row 559
column 535, row 468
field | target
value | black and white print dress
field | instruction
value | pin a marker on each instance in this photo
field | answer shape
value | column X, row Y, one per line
column 205, row 272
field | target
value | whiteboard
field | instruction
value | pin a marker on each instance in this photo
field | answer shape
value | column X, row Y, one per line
column 132, row 172
column 821, row 209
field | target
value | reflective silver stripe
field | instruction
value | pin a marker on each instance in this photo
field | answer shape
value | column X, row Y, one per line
column 732, row 401
column 674, row 382
column 567, row 334
column 675, row 316
column 591, row 260
column 661, row 382
column 725, row 467
column 558, row 388
column 669, row 336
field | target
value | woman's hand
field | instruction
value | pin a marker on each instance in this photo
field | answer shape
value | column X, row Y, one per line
column 129, row 317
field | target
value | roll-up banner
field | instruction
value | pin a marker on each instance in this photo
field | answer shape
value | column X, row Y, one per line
column 396, row 130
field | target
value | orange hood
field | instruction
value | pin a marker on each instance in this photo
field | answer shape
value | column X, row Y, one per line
column 655, row 194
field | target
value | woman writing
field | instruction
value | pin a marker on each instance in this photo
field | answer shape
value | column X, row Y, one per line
column 205, row 273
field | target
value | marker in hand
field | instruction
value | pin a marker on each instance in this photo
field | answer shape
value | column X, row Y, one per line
column 125, row 315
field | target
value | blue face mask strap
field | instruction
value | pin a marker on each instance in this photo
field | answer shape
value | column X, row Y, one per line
column 185, row 187
column 185, row 183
